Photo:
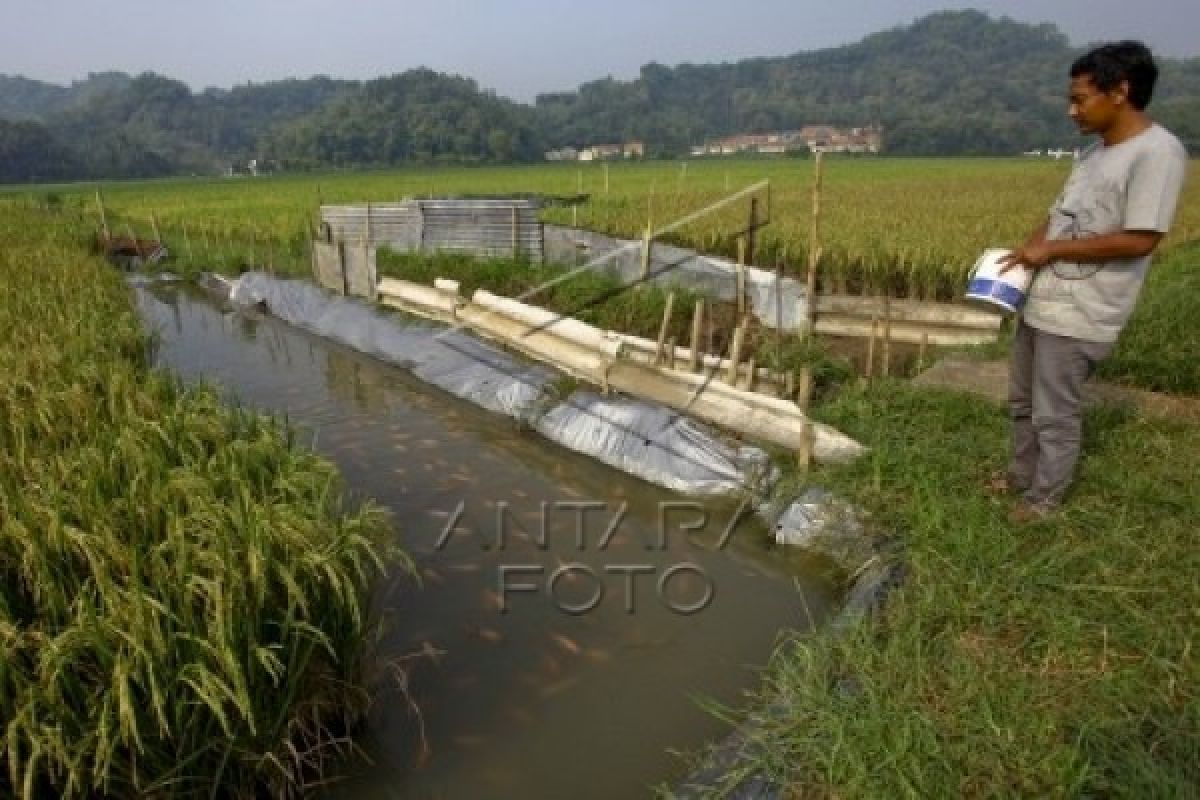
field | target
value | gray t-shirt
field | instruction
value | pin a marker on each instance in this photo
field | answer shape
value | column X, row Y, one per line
column 1131, row 186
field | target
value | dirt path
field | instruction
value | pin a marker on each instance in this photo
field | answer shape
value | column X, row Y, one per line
column 990, row 379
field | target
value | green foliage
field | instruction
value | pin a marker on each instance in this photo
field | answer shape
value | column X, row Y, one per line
column 28, row 153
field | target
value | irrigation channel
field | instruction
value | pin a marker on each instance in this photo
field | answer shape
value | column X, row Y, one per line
column 532, row 701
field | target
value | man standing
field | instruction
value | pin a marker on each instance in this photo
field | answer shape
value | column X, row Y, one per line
column 1090, row 258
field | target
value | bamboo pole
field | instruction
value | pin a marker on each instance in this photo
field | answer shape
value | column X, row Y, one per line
column 886, row 365
column 697, row 332
column 751, row 373
column 804, row 390
column 671, row 344
column 312, row 249
column 779, row 311
column 740, row 276
column 647, row 241
column 870, row 365
column 735, row 351
column 515, row 233
column 751, row 231
column 103, row 216
column 664, row 329
column 814, row 247
column 804, row 453
column 154, row 227
column 187, row 243
column 921, row 352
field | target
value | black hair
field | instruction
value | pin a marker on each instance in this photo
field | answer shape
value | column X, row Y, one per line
column 1112, row 63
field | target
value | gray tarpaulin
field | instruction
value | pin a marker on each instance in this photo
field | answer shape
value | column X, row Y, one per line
column 651, row 442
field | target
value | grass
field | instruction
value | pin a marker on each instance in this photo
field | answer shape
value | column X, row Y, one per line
column 1160, row 348
column 184, row 592
column 1048, row 661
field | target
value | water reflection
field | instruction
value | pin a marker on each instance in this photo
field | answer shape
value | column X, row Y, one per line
column 544, row 644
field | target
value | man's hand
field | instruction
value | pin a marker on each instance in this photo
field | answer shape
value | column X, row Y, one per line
column 1031, row 255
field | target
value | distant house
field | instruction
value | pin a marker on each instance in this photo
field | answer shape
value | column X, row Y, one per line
column 813, row 137
column 600, row 152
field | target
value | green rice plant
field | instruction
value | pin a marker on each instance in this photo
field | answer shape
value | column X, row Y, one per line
column 184, row 593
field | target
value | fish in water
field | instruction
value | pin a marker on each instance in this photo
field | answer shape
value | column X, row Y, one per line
column 485, row 634
column 566, row 643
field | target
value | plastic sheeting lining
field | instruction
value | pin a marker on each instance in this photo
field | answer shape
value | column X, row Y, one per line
column 649, row 441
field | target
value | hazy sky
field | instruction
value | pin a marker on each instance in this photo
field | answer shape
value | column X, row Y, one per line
column 517, row 47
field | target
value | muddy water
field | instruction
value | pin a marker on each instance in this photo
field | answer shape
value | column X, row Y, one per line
column 566, row 620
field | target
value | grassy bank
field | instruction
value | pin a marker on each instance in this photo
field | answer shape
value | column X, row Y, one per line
column 183, row 592
column 1160, row 348
column 1046, row 661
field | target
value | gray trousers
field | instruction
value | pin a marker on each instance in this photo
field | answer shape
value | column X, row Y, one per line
column 1045, row 396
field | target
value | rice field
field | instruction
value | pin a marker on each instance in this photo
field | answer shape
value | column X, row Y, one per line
column 912, row 227
column 183, row 591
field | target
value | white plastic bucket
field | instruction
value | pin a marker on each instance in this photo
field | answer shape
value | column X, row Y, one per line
column 989, row 287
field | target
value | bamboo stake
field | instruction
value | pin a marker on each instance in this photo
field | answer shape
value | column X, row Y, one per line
column 751, row 231
column 779, row 310
column 647, row 241
column 921, row 352
column 709, row 324
column 804, row 391
column 664, row 328
column 312, row 250
column 870, row 365
column 804, row 453
column 735, row 351
column 886, row 365
column 814, row 247
column 103, row 216
column 154, row 227
column 606, row 178
column 740, row 276
column 671, row 344
column 697, row 332
column 751, row 373
column 187, row 243
column 515, row 234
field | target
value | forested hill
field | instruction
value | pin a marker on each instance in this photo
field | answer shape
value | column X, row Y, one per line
column 952, row 83
column 23, row 98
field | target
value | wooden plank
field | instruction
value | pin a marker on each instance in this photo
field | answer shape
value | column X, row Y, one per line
column 946, row 314
column 907, row 332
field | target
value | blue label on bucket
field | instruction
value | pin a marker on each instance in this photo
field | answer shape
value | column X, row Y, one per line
column 997, row 292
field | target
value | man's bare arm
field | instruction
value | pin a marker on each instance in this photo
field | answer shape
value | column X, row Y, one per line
column 1092, row 250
